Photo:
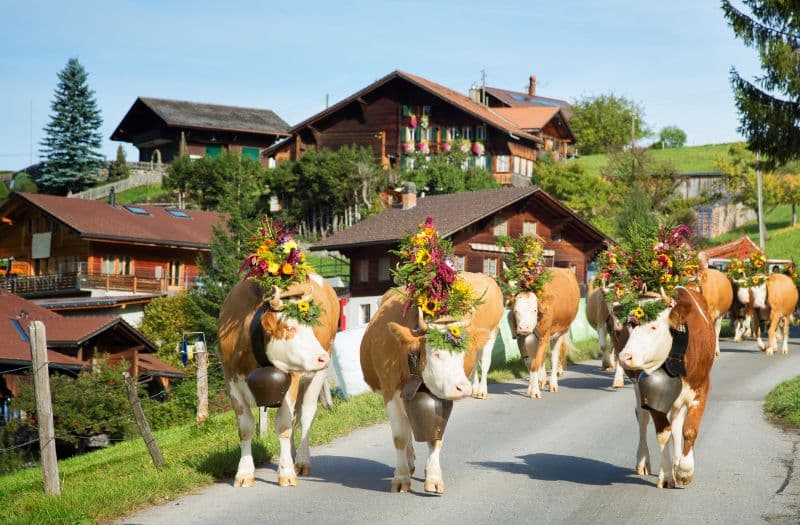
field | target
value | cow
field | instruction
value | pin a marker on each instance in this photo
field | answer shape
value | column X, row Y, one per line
column 648, row 347
column 393, row 337
column 779, row 304
column 741, row 311
column 302, row 350
column 536, row 321
column 599, row 317
column 718, row 293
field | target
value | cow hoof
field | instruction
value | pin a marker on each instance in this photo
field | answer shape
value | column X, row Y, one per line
column 618, row 384
column 553, row 388
column 302, row 469
column 665, row 483
column 434, row 485
column 716, row 353
column 761, row 346
column 477, row 394
column 784, row 351
column 770, row 351
column 244, row 481
column 560, row 373
column 643, row 469
column 534, row 394
column 287, row 481
column 401, row 486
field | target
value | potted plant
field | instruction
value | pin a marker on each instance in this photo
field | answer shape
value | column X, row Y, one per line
column 423, row 148
column 464, row 146
column 478, row 148
column 408, row 147
column 413, row 121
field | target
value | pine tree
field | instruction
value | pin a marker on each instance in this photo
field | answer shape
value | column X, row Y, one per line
column 119, row 168
column 769, row 109
column 69, row 150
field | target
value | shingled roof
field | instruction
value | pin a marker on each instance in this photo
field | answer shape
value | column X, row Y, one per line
column 195, row 115
column 520, row 99
column 98, row 220
column 451, row 212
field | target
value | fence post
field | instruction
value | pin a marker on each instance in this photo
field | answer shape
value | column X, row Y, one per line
column 201, row 358
column 44, row 408
column 141, row 421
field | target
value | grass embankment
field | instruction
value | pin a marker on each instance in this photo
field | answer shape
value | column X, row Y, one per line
column 690, row 159
column 116, row 481
column 783, row 402
column 783, row 239
column 515, row 368
column 144, row 194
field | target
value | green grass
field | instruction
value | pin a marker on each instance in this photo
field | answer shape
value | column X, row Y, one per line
column 113, row 482
column 515, row 368
column 330, row 267
column 143, row 194
column 686, row 160
column 783, row 240
column 783, row 402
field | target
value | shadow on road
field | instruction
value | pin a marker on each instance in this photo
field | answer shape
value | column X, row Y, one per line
column 357, row 473
column 556, row 467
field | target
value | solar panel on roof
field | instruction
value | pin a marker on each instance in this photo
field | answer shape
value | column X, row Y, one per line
column 137, row 210
column 178, row 213
column 521, row 98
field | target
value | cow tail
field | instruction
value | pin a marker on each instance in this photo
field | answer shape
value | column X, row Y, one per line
column 325, row 396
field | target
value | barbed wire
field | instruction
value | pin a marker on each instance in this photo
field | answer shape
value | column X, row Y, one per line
column 16, row 369
column 2, row 450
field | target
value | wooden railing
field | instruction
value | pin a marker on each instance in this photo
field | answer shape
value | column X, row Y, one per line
column 67, row 283
column 124, row 283
column 41, row 284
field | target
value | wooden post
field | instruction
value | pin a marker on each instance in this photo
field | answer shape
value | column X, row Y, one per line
column 201, row 358
column 141, row 422
column 263, row 422
column 44, row 408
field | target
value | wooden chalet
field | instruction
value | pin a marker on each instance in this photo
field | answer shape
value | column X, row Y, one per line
column 472, row 221
column 402, row 116
column 163, row 129
column 72, row 345
column 61, row 246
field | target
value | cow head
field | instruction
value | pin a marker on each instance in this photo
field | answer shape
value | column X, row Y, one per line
column 742, row 293
column 649, row 343
column 290, row 344
column 758, row 295
column 525, row 311
column 442, row 370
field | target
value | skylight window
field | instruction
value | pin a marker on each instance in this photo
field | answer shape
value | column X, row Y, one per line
column 178, row 213
column 137, row 210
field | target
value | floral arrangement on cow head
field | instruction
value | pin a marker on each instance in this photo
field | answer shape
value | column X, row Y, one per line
column 612, row 275
column 523, row 268
column 427, row 278
column 750, row 271
column 278, row 265
column 654, row 268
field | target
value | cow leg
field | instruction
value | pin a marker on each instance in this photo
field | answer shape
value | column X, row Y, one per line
column 642, row 452
column 246, row 471
column 401, row 434
column 748, row 325
column 283, row 427
column 433, row 472
column 772, row 345
column 555, row 362
column 684, row 471
column 306, row 410
column 411, row 457
column 535, row 363
column 738, row 330
column 757, row 330
column 785, row 344
column 607, row 355
column 663, row 435
column 677, row 424
column 718, row 329
column 619, row 376
column 480, row 387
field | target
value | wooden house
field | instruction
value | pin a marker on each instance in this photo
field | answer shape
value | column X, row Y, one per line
column 63, row 246
column 163, row 129
column 472, row 221
column 402, row 116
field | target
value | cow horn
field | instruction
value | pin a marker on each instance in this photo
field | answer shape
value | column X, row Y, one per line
column 307, row 296
column 275, row 303
column 664, row 296
column 423, row 325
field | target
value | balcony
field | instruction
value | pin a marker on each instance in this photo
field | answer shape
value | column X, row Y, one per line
column 74, row 283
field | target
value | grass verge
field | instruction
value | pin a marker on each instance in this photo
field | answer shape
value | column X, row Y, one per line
column 118, row 480
column 144, row 194
column 783, row 402
column 515, row 368
column 688, row 159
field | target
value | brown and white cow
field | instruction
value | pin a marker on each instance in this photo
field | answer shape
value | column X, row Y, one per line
column 537, row 321
column 780, row 302
column 648, row 347
column 599, row 317
column 718, row 293
column 290, row 346
column 389, row 340
column 741, row 311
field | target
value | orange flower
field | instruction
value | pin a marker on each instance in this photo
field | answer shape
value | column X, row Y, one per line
column 287, row 269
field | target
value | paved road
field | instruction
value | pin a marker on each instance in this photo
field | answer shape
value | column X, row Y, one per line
column 566, row 458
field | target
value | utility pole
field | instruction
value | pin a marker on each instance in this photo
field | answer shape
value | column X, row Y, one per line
column 44, row 408
column 762, row 233
column 483, row 86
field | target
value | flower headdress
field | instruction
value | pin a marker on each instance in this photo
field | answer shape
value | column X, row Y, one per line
column 427, row 277
column 750, row 271
column 524, row 269
column 276, row 263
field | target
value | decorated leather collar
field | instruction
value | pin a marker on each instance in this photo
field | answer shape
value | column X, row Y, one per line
column 257, row 344
column 675, row 365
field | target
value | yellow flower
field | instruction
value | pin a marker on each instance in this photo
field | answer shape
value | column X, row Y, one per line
column 455, row 331
column 287, row 246
column 756, row 281
column 273, row 268
column 287, row 269
column 429, row 232
column 637, row 312
column 420, row 239
column 422, row 257
column 303, row 306
column 428, row 306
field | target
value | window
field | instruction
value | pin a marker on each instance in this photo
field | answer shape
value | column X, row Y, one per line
column 516, row 164
column 136, row 210
column 409, row 163
column 175, row 272
column 529, row 227
column 426, row 110
column 363, row 271
column 125, row 266
column 529, row 168
column 466, row 133
column 252, row 153
column 366, row 313
column 480, row 162
column 453, row 133
column 383, row 269
column 490, row 266
column 178, row 213
column 480, row 132
column 502, row 163
column 108, row 264
column 460, row 261
column 500, row 227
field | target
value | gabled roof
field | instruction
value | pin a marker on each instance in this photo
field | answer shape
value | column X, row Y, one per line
column 739, row 248
column 459, row 100
column 195, row 115
column 98, row 220
column 529, row 117
column 451, row 213
column 520, row 99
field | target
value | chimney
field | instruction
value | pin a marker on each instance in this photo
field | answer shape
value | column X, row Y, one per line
column 112, row 197
column 532, row 86
column 409, row 195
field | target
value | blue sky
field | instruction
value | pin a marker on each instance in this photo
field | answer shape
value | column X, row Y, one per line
column 673, row 58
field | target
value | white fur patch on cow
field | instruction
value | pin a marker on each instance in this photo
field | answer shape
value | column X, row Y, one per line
column 316, row 278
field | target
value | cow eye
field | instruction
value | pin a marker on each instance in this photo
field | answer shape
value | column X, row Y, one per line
column 653, row 328
column 437, row 355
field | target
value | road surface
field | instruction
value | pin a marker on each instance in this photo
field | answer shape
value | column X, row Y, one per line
column 566, row 458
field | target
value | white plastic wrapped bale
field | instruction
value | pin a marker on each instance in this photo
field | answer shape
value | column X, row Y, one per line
column 347, row 361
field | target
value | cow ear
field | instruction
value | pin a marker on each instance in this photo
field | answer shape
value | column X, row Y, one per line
column 545, row 303
column 679, row 313
column 403, row 335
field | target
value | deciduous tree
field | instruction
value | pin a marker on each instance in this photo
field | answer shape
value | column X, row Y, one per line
column 606, row 123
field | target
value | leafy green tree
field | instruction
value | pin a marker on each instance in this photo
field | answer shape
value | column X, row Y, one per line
column 4, row 191
column 119, row 169
column 166, row 319
column 72, row 138
column 451, row 172
column 769, row 109
column 23, row 183
column 605, row 123
column 586, row 193
column 671, row 137
column 739, row 179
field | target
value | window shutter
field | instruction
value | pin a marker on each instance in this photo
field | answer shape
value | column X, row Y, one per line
column 489, row 162
column 404, row 133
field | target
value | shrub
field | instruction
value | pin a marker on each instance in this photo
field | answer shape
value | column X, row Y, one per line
column 165, row 320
